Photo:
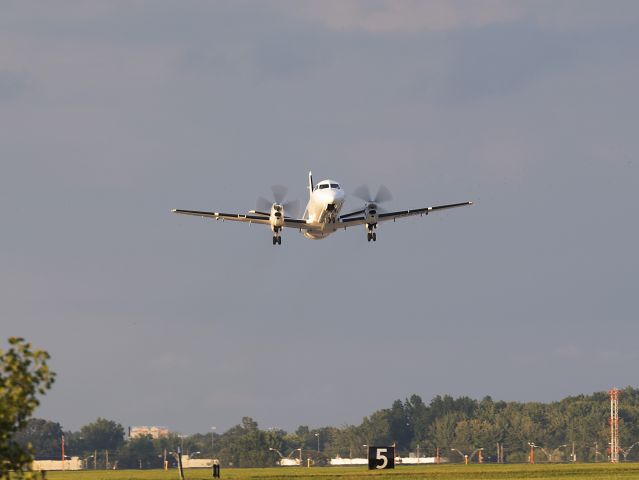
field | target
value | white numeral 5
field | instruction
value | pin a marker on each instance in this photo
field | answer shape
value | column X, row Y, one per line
column 384, row 458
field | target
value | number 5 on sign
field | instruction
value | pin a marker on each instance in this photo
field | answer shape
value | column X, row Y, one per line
column 380, row 458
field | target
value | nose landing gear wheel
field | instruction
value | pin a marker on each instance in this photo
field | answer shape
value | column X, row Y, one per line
column 277, row 240
column 369, row 236
column 374, row 235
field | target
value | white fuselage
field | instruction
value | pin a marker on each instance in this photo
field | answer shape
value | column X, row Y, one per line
column 323, row 208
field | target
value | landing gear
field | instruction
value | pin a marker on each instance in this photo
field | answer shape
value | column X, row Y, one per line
column 277, row 240
column 371, row 234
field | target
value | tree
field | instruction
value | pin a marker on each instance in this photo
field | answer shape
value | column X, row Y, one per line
column 442, row 431
column 245, row 445
column 140, row 452
column 419, row 417
column 401, row 430
column 44, row 436
column 24, row 374
column 102, row 434
column 375, row 429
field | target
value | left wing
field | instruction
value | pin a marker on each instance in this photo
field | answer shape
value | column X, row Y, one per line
column 251, row 217
column 356, row 218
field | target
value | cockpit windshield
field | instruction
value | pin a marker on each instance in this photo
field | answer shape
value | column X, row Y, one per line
column 326, row 185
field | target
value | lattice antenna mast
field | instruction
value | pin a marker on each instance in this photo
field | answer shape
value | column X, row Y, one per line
column 614, row 425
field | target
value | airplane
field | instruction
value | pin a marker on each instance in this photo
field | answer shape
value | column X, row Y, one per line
column 322, row 215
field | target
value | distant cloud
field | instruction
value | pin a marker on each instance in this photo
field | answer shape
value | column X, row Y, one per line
column 568, row 351
column 409, row 15
column 382, row 16
column 12, row 85
column 497, row 61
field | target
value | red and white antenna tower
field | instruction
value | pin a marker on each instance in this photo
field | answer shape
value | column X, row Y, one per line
column 614, row 425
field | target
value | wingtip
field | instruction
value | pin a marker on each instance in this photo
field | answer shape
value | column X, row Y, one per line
column 174, row 210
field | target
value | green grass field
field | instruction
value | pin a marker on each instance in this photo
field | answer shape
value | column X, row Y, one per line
column 599, row 471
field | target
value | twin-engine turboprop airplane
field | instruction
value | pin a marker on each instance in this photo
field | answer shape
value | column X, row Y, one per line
column 322, row 215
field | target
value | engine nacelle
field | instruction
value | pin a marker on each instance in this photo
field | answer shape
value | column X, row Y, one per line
column 371, row 215
column 277, row 217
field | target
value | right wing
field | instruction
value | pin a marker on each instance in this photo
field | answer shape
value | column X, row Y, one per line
column 419, row 211
column 356, row 218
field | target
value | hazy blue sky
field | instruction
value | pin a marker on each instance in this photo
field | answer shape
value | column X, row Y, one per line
column 112, row 113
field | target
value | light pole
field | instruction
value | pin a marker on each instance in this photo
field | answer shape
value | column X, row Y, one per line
column 318, row 436
column 271, row 449
column 181, row 436
column 627, row 450
column 277, row 451
column 85, row 461
column 464, row 456
column 477, row 450
column 467, row 458
column 597, row 452
column 552, row 454
column 282, row 457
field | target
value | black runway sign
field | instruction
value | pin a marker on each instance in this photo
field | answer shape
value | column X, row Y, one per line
column 380, row 458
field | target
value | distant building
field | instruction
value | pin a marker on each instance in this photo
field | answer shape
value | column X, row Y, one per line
column 413, row 460
column 348, row 461
column 188, row 462
column 154, row 432
column 73, row 463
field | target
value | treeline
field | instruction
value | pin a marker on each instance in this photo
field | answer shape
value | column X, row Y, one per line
column 455, row 426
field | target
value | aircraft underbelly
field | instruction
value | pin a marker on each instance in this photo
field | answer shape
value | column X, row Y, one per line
column 316, row 234
column 317, row 213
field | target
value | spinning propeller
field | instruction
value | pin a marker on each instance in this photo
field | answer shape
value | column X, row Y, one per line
column 363, row 193
column 371, row 209
column 279, row 194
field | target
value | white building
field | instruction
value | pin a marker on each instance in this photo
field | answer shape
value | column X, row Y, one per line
column 74, row 463
column 188, row 462
column 341, row 462
column 154, row 431
column 421, row 460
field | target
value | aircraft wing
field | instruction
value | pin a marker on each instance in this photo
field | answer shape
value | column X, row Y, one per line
column 355, row 218
column 251, row 217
